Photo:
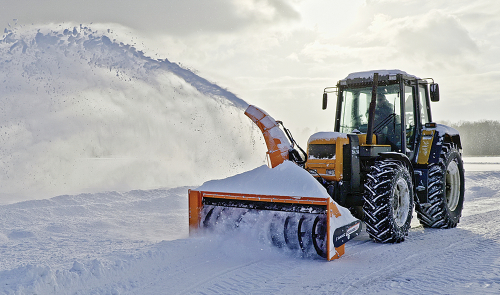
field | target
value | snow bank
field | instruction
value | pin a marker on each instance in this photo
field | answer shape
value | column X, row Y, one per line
column 91, row 244
column 286, row 179
column 481, row 163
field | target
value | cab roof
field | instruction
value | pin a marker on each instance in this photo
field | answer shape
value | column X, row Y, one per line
column 367, row 77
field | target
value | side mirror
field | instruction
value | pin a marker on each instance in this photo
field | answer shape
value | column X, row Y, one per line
column 325, row 100
column 434, row 92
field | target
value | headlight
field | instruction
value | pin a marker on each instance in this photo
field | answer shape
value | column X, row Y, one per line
column 330, row 172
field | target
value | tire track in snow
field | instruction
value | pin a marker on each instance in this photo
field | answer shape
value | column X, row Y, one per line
column 239, row 278
column 211, row 268
column 439, row 262
column 429, row 261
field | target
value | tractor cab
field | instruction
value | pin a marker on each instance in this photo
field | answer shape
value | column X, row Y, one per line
column 401, row 107
column 379, row 114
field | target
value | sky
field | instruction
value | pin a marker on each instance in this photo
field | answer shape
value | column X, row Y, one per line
column 280, row 54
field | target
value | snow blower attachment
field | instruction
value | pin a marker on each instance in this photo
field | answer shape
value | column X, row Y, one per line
column 305, row 223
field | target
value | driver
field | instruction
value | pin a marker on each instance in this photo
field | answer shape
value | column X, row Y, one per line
column 383, row 109
column 385, row 120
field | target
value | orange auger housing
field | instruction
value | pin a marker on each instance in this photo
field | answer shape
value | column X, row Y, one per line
column 327, row 238
column 334, row 248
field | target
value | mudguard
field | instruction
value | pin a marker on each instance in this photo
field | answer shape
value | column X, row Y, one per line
column 431, row 141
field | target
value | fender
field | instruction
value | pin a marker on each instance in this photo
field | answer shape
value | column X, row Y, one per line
column 400, row 157
column 431, row 142
column 449, row 134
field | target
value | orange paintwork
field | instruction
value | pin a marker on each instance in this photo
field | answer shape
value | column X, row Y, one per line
column 362, row 139
column 277, row 148
column 339, row 252
column 195, row 206
column 266, row 198
column 337, row 164
column 332, row 211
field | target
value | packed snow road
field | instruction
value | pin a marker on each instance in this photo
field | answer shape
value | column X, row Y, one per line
column 136, row 242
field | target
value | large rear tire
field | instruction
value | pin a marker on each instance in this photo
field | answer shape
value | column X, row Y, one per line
column 388, row 203
column 446, row 191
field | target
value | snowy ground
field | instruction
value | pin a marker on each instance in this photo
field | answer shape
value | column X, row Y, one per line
column 137, row 243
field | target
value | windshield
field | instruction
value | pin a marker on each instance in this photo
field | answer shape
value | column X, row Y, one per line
column 357, row 101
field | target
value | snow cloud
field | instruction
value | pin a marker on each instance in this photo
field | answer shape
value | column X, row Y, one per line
column 82, row 113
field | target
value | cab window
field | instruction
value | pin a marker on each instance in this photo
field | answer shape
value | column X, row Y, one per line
column 424, row 116
column 409, row 117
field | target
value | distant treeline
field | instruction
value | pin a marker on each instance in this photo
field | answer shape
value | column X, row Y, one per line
column 479, row 138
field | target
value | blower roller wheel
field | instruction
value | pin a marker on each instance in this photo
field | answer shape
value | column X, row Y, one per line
column 305, row 233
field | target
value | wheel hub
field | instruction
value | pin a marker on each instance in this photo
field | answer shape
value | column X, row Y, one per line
column 452, row 185
column 401, row 202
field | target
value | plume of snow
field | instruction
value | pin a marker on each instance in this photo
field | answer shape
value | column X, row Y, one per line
column 80, row 112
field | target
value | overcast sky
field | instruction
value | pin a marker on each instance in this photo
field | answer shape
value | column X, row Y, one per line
column 280, row 54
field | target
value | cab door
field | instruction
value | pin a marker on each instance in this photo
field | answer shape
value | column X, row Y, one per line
column 417, row 114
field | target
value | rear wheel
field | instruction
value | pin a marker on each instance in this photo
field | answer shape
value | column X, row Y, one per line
column 446, row 191
column 388, row 203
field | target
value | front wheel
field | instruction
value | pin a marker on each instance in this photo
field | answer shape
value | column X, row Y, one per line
column 388, row 203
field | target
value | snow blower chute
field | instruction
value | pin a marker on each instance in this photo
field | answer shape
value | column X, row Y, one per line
column 302, row 215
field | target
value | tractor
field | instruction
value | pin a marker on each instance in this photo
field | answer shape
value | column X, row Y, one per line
column 387, row 156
